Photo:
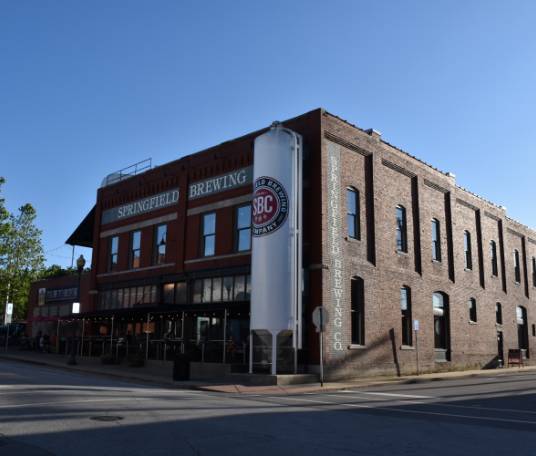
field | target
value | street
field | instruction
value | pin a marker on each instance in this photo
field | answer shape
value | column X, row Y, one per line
column 55, row 412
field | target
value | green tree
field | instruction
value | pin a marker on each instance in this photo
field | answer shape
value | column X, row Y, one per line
column 21, row 255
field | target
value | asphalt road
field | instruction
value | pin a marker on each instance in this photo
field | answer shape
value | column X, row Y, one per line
column 52, row 412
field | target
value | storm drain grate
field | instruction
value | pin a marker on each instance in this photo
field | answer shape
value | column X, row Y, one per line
column 106, row 418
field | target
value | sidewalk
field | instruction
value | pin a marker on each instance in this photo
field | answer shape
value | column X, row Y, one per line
column 160, row 373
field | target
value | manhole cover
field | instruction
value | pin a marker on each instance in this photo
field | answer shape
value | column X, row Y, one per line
column 106, row 418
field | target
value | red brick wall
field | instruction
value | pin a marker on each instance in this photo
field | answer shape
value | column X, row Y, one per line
column 426, row 193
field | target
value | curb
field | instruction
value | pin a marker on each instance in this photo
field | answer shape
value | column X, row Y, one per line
column 76, row 369
column 277, row 389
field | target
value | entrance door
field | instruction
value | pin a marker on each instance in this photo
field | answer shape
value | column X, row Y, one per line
column 500, row 348
column 522, row 330
column 203, row 324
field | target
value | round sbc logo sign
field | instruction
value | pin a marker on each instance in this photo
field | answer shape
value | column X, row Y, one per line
column 270, row 206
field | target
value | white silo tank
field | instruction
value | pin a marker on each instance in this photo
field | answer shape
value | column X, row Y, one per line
column 276, row 269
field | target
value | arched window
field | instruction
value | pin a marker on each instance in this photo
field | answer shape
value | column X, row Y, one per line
column 436, row 240
column 405, row 309
column 468, row 250
column 401, row 229
column 358, row 311
column 441, row 326
column 493, row 257
column 522, row 328
column 352, row 213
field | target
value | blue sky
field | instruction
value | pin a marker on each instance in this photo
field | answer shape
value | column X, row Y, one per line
column 87, row 88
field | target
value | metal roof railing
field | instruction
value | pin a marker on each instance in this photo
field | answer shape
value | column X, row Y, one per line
column 129, row 171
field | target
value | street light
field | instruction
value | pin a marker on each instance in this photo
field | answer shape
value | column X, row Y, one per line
column 80, row 263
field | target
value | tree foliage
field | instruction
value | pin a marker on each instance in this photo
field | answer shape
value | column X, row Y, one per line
column 21, row 255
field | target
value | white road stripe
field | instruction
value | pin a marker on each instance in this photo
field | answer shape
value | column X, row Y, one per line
column 409, row 396
column 409, row 411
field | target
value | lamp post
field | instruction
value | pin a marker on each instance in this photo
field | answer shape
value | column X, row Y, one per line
column 80, row 263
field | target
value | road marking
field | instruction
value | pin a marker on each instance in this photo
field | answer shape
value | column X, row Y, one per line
column 410, row 411
column 490, row 409
column 409, row 396
column 37, row 404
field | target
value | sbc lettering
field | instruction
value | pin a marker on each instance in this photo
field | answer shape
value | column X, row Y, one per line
column 263, row 204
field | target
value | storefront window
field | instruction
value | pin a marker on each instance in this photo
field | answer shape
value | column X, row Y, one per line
column 181, row 295
column 197, row 295
column 216, row 289
column 239, row 288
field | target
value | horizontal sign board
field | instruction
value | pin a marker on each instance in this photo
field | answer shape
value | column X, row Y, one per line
column 142, row 206
column 228, row 181
column 61, row 294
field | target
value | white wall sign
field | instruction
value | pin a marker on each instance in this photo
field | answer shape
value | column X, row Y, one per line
column 334, row 230
column 228, row 181
column 151, row 203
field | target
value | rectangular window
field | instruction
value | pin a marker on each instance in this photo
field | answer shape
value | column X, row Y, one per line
column 209, row 234
column 494, row 260
column 160, row 240
column 126, row 298
column 113, row 253
column 135, row 249
column 436, row 240
column 227, row 289
column 243, row 228
column 472, row 310
column 168, row 293
column 468, row 250
column 181, row 293
column 239, row 288
column 207, row 290
column 498, row 313
column 248, row 287
column 405, row 309
column 534, row 271
column 352, row 213
column 401, row 230
column 358, row 311
column 517, row 267
column 197, row 295
column 216, row 289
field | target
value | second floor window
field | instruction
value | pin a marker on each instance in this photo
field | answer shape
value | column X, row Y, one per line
column 113, row 255
column 468, row 250
column 517, row 267
column 498, row 313
column 534, row 271
column 436, row 240
column 493, row 256
column 135, row 249
column 352, row 213
column 160, row 240
column 471, row 304
column 243, row 228
column 401, row 229
column 209, row 234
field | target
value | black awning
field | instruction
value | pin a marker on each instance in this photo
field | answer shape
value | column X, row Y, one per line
column 83, row 235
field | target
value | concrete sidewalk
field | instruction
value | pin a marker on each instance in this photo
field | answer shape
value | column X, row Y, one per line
column 160, row 373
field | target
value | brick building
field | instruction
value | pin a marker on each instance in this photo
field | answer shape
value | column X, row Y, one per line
column 410, row 267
